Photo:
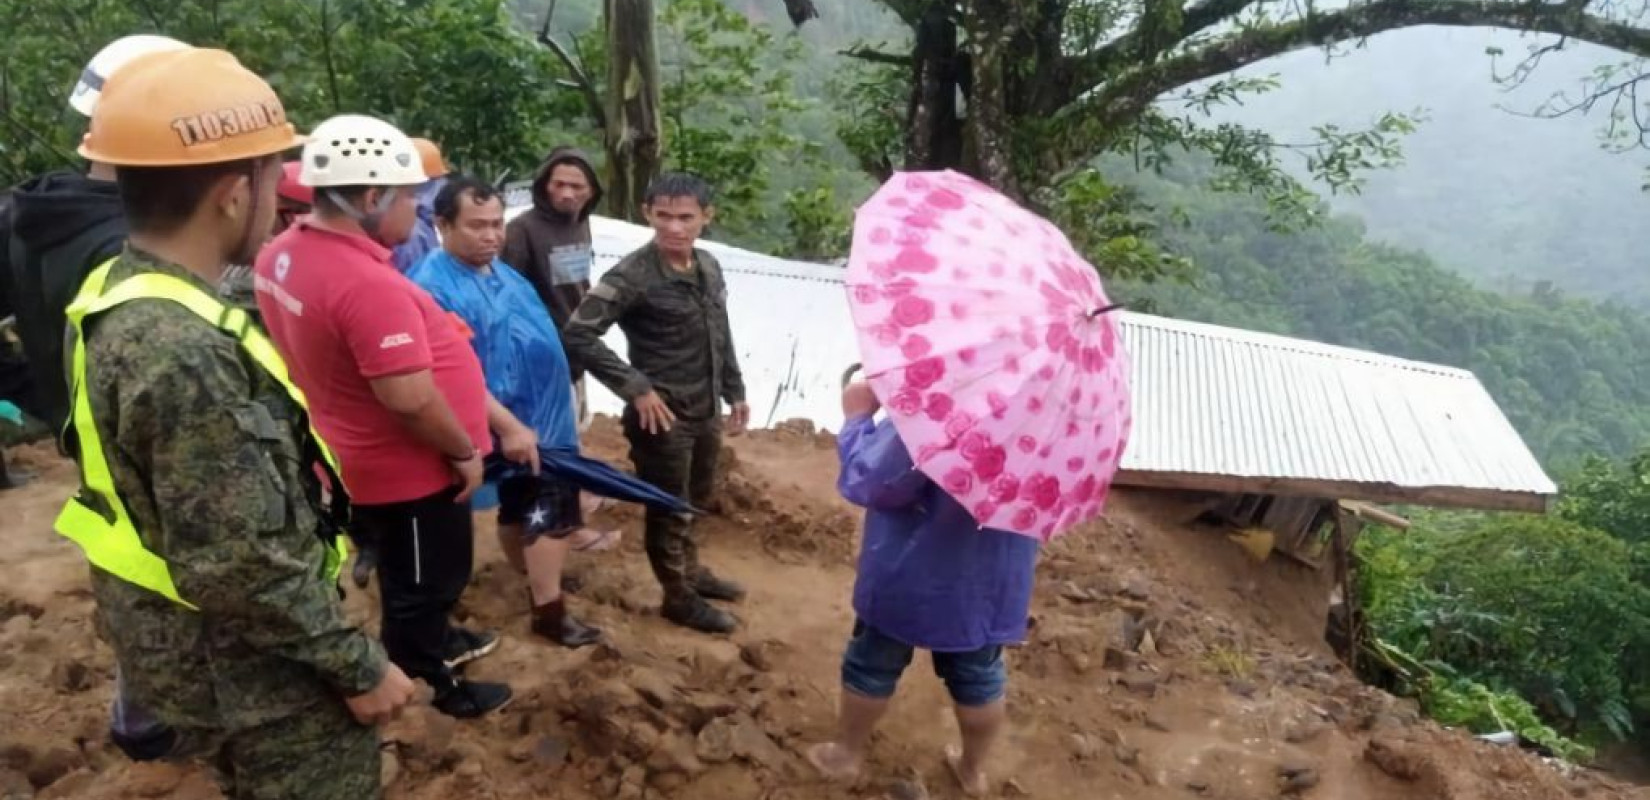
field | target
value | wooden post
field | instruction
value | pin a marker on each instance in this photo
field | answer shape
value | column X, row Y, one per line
column 634, row 138
column 1346, row 525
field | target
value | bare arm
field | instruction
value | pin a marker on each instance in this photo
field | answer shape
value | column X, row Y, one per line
column 414, row 399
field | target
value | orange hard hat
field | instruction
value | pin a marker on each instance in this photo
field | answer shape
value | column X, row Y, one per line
column 186, row 107
column 429, row 153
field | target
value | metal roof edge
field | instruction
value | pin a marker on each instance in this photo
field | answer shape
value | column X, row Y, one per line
column 1475, row 498
column 1289, row 343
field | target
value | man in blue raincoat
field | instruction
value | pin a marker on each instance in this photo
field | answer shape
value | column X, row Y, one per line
column 527, row 373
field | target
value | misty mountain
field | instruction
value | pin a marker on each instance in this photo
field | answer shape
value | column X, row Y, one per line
column 1503, row 198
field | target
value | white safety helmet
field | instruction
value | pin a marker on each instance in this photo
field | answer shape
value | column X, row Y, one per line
column 110, row 59
column 357, row 150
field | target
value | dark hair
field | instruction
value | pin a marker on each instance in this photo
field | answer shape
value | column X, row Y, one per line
column 449, row 201
column 162, row 199
column 678, row 184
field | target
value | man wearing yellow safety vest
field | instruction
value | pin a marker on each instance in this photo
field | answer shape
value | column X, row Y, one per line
column 62, row 225
column 214, row 562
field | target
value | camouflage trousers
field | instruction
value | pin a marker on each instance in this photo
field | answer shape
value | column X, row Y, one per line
column 681, row 461
column 319, row 753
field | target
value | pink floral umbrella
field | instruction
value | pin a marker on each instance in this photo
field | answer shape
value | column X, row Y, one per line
column 988, row 339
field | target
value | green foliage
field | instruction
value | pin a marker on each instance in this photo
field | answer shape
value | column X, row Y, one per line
column 1611, row 496
column 728, row 96
column 819, row 227
column 1465, row 703
column 457, row 71
column 1542, row 608
column 1107, row 223
column 870, row 114
column 1243, row 159
column 466, row 74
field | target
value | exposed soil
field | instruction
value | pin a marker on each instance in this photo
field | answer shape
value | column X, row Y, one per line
column 1163, row 664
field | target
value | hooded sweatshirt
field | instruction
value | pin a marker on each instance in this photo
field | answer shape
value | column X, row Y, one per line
column 551, row 249
column 63, row 225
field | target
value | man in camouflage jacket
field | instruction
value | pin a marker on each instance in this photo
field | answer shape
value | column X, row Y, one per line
column 671, row 302
column 260, row 674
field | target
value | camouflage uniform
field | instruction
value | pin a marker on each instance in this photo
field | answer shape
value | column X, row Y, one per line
column 203, row 448
column 681, row 347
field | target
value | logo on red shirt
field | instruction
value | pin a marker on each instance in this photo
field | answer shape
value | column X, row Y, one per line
column 395, row 340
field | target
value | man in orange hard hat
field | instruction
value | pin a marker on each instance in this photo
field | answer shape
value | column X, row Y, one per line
column 214, row 561
column 423, row 239
column 54, row 229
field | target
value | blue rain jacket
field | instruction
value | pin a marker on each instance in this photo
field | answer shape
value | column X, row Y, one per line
column 515, row 340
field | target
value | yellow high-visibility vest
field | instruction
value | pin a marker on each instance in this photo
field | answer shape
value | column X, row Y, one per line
column 104, row 530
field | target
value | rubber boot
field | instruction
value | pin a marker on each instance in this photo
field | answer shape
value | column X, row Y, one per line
column 689, row 610
column 553, row 622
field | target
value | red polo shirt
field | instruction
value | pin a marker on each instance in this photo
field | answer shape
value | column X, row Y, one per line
column 342, row 316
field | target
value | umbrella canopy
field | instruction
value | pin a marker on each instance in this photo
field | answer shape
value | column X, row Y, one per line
column 994, row 348
column 596, row 477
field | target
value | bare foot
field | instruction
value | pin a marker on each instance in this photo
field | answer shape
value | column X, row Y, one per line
column 592, row 503
column 974, row 785
column 833, row 762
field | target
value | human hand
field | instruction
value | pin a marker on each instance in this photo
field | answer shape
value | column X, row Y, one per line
column 654, row 415
column 469, row 475
column 739, row 420
column 385, row 700
column 858, row 400
column 521, row 445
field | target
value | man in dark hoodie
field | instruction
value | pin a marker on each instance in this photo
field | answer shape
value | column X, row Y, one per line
column 550, row 243
column 60, row 227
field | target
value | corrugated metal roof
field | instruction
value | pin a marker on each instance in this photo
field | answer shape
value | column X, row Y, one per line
column 1312, row 418
column 1215, row 408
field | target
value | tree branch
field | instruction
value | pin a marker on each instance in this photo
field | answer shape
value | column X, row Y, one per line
column 1108, row 109
column 1260, row 43
column 1088, row 70
column 326, row 56
column 592, row 97
column 864, row 53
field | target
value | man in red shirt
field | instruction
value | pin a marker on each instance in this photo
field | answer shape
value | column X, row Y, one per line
column 395, row 389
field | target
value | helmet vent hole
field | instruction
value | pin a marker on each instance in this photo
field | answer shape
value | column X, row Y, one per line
column 352, row 141
column 378, row 152
column 373, row 174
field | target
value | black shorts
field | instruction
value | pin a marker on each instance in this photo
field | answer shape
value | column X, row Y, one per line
column 544, row 505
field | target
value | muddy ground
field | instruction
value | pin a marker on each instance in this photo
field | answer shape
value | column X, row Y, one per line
column 1163, row 664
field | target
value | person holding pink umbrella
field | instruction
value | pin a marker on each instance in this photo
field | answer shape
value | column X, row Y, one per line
column 992, row 344
column 929, row 577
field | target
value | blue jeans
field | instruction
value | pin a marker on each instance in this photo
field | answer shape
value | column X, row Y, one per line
column 873, row 664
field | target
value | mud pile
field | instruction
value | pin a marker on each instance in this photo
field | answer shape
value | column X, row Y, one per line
column 1162, row 664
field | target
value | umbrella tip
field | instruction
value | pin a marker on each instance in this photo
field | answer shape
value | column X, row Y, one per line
column 1104, row 310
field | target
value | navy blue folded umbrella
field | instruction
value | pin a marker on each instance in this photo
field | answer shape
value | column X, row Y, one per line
column 596, row 477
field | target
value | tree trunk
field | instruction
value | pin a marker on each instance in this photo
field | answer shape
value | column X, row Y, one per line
column 991, row 39
column 633, row 137
column 934, row 132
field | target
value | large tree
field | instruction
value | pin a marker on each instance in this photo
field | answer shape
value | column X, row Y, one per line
column 457, row 71
column 1026, row 93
